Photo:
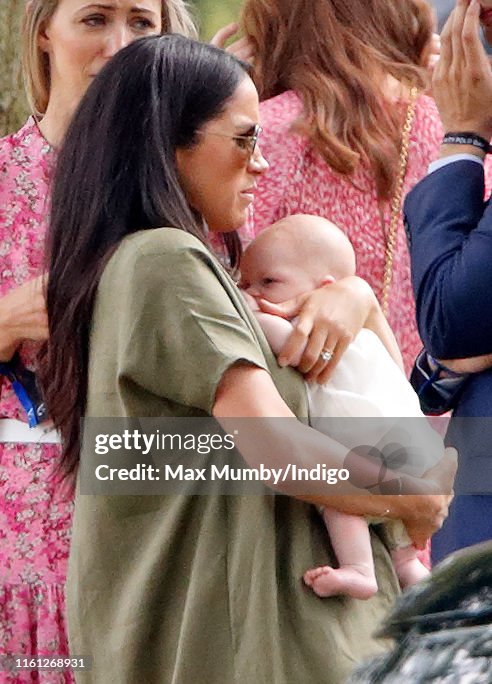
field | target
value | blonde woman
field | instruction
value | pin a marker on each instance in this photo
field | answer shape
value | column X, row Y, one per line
column 66, row 43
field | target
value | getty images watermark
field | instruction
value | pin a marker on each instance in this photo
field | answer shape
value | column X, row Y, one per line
column 152, row 456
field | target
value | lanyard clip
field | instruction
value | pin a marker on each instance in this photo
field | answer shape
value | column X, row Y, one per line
column 25, row 387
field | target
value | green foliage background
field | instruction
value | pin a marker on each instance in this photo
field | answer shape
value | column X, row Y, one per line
column 213, row 14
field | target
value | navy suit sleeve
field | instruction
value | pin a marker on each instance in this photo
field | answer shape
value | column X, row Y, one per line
column 449, row 228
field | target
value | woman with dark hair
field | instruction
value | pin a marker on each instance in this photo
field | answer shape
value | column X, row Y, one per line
column 65, row 43
column 144, row 321
column 338, row 82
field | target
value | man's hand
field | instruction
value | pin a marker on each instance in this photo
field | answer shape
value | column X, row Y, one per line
column 242, row 48
column 432, row 53
column 462, row 82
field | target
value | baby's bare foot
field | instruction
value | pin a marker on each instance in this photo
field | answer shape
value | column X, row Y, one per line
column 357, row 581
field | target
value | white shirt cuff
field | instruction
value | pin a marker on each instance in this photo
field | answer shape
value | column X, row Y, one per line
column 444, row 161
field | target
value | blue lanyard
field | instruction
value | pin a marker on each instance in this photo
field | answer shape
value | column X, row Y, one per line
column 26, row 389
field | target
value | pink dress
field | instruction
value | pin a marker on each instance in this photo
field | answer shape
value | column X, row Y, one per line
column 35, row 514
column 300, row 181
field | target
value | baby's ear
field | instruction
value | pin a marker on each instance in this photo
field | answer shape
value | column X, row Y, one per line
column 327, row 280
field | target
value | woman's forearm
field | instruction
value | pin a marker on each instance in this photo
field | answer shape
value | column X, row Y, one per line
column 400, row 507
column 279, row 441
column 8, row 341
column 376, row 321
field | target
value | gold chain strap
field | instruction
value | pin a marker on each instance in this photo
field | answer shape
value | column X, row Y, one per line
column 396, row 202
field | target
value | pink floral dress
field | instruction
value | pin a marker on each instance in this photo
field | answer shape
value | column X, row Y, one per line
column 35, row 512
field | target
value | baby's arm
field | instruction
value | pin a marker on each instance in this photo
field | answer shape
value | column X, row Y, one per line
column 275, row 328
column 277, row 331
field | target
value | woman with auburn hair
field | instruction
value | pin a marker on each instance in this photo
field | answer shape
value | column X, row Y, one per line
column 65, row 44
column 339, row 82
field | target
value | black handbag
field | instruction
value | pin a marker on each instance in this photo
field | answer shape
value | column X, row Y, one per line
column 437, row 387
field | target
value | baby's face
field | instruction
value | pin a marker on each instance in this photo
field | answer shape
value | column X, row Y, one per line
column 273, row 275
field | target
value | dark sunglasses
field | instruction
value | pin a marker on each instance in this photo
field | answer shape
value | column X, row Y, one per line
column 246, row 142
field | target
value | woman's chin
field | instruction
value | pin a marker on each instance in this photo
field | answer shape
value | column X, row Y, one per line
column 233, row 224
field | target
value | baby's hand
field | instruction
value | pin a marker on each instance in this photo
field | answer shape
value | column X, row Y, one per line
column 250, row 301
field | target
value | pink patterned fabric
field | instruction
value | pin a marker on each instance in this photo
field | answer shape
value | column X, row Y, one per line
column 35, row 510
column 300, row 181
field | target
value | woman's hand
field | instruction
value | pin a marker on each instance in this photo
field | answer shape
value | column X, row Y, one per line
column 328, row 319
column 424, row 515
column 22, row 317
column 242, row 48
column 423, row 509
column 422, row 504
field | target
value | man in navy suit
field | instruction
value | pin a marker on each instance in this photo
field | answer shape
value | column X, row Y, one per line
column 449, row 228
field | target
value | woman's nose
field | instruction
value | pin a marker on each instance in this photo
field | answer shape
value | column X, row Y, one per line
column 258, row 163
column 119, row 37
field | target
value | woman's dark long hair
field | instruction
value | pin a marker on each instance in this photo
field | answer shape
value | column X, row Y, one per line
column 116, row 174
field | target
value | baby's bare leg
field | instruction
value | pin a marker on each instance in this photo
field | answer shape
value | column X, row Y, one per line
column 408, row 567
column 349, row 535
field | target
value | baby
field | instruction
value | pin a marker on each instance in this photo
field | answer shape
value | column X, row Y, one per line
column 291, row 257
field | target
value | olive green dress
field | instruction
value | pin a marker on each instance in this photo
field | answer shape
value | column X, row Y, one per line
column 198, row 589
